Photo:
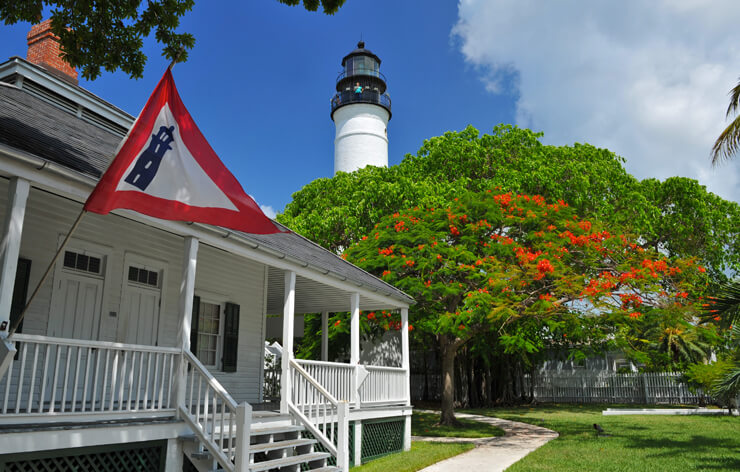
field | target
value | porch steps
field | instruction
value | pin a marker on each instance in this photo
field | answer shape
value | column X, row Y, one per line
column 276, row 444
column 288, row 461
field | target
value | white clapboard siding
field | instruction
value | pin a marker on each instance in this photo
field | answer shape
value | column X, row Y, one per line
column 239, row 281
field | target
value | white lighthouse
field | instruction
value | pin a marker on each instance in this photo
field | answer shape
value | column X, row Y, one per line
column 361, row 110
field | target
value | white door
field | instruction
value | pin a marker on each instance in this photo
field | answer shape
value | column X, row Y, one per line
column 140, row 315
column 75, row 312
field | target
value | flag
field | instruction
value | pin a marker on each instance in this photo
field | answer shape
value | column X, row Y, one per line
column 165, row 168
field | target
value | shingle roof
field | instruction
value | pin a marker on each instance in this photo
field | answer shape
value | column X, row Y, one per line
column 31, row 124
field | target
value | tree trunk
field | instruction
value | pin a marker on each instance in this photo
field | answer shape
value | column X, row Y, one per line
column 489, row 385
column 448, row 352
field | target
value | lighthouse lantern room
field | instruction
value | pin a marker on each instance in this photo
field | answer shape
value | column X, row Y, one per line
column 361, row 109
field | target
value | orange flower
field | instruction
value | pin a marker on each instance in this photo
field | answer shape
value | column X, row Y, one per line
column 635, row 314
column 337, row 323
column 371, row 315
column 386, row 272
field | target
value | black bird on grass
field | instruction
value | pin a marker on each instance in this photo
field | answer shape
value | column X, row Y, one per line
column 600, row 431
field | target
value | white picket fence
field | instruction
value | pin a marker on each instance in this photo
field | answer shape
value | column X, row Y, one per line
column 607, row 387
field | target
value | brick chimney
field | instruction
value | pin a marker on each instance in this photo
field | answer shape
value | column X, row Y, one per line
column 44, row 50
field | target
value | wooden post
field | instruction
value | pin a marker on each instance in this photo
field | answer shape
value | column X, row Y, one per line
column 288, row 322
column 357, row 449
column 174, row 456
column 354, row 358
column 187, row 290
column 405, row 364
column 10, row 245
column 243, row 433
column 325, row 336
column 343, row 436
column 355, row 329
column 407, row 432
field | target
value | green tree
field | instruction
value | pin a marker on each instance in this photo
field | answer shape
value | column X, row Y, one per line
column 677, row 216
column 728, row 141
column 109, row 35
column 725, row 310
column 529, row 271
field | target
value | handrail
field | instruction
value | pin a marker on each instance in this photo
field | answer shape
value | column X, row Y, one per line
column 360, row 72
column 324, row 363
column 18, row 337
column 318, row 410
column 383, row 367
column 213, row 415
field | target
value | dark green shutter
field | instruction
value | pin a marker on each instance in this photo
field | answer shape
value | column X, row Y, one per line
column 194, row 325
column 231, row 337
column 20, row 291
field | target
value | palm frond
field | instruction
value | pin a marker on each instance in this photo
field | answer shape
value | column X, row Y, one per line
column 727, row 143
column 726, row 304
column 734, row 100
column 729, row 385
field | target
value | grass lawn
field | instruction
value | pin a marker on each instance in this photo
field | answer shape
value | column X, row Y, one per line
column 425, row 424
column 422, row 454
column 637, row 443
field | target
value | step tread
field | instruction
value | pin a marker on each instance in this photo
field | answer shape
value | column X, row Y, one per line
column 271, row 446
column 277, row 429
column 329, row 468
column 285, row 461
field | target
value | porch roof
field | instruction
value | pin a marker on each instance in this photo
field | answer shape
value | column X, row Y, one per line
column 53, row 134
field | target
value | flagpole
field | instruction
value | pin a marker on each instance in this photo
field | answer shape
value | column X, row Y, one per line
column 17, row 323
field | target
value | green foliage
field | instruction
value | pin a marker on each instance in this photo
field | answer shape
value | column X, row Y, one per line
column 705, row 376
column 329, row 6
column 110, row 35
column 677, row 217
column 724, row 309
column 529, row 272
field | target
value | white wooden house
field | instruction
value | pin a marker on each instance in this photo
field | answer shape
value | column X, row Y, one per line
column 144, row 349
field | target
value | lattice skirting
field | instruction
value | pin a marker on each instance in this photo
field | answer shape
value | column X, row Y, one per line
column 381, row 437
column 131, row 457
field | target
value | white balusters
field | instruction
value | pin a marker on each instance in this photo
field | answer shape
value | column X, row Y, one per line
column 76, row 377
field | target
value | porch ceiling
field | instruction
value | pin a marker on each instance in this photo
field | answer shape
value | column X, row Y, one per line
column 314, row 297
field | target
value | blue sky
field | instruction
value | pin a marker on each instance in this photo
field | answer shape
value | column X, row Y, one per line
column 259, row 80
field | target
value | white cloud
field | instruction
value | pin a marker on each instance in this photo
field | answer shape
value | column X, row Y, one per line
column 268, row 210
column 648, row 80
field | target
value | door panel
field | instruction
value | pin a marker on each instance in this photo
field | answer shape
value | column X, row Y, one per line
column 141, row 315
column 80, row 299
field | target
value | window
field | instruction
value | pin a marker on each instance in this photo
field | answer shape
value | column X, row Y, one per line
column 214, row 334
column 143, row 276
column 209, row 331
column 83, row 262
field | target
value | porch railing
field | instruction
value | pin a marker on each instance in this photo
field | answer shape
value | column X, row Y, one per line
column 381, row 386
column 221, row 425
column 323, row 415
column 384, row 385
column 79, row 377
column 335, row 378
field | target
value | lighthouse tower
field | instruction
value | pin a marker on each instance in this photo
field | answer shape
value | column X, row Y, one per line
column 361, row 110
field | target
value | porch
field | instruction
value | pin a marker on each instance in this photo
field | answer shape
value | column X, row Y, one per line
column 87, row 385
column 70, row 374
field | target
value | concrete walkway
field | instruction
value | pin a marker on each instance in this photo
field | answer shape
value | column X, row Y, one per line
column 492, row 454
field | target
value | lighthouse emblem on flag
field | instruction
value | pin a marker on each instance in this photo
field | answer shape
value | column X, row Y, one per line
column 148, row 163
column 165, row 168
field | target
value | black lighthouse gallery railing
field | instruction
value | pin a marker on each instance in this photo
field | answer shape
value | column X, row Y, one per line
column 367, row 96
